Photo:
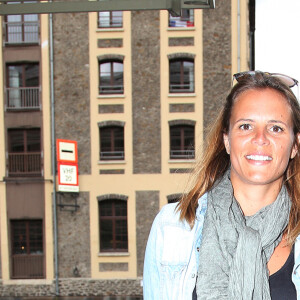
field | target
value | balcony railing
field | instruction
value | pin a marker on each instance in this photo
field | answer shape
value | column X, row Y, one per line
column 182, row 88
column 111, row 89
column 23, row 98
column 24, row 164
column 27, row 266
column 22, row 32
column 112, row 155
column 182, row 154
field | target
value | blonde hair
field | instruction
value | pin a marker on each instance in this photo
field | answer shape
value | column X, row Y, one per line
column 215, row 161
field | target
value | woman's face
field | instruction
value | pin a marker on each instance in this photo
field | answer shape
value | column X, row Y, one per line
column 260, row 140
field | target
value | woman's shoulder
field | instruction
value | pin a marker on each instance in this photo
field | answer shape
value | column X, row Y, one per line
column 170, row 213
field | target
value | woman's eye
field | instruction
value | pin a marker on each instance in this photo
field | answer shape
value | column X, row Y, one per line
column 276, row 129
column 245, row 127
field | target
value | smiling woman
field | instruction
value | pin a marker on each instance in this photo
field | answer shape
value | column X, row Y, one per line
column 240, row 220
column 260, row 142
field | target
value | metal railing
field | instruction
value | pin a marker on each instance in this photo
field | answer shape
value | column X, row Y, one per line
column 27, row 266
column 111, row 89
column 25, row 164
column 22, row 32
column 182, row 88
column 112, row 155
column 182, row 154
column 23, row 98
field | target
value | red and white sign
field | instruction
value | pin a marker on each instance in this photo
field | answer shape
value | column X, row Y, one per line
column 67, row 165
column 68, row 177
column 66, row 151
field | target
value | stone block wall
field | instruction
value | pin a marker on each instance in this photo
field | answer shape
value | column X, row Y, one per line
column 216, row 59
column 146, row 92
column 77, row 287
column 71, row 83
column 74, row 236
column 144, row 219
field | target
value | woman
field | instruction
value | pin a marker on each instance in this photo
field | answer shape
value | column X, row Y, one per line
column 236, row 229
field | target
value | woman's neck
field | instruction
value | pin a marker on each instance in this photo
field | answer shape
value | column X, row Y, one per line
column 252, row 198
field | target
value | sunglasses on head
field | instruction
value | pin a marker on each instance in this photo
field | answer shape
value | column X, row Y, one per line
column 287, row 80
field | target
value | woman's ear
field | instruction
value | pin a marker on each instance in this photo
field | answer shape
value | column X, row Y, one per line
column 295, row 147
column 226, row 142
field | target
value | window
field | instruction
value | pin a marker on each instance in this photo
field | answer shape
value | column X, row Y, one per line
column 182, row 142
column 112, row 143
column 24, row 152
column 181, row 76
column 110, row 19
column 113, row 226
column 111, row 77
column 27, row 249
column 185, row 20
column 22, row 29
column 22, row 86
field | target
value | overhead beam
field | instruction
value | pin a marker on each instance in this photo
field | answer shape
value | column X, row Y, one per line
column 14, row 7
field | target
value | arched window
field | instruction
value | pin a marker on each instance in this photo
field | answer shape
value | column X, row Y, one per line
column 113, row 225
column 111, row 143
column 182, row 141
column 182, row 75
column 111, row 77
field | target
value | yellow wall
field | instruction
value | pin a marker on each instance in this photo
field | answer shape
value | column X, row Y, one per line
column 240, row 38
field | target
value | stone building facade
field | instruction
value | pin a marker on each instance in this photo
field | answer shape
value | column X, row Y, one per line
column 131, row 161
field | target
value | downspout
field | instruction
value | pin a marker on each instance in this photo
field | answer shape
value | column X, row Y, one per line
column 53, row 154
column 238, row 36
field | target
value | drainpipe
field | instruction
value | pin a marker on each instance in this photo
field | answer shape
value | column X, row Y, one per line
column 53, row 154
column 238, row 36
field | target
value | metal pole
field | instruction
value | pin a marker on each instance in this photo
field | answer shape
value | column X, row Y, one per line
column 53, row 154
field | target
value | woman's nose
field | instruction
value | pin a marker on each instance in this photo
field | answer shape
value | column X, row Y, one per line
column 260, row 137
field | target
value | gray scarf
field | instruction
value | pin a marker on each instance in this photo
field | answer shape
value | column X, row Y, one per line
column 235, row 249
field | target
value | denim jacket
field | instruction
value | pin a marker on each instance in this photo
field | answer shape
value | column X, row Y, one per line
column 171, row 258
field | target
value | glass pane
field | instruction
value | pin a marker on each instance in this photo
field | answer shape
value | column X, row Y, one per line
column 104, row 19
column 106, row 139
column 189, row 138
column 14, row 84
column 106, row 208
column 14, row 29
column 16, row 140
column 31, row 18
column 121, row 234
column 121, row 208
column 188, row 69
column 15, row 76
column 19, row 237
column 33, row 140
column 106, row 234
column 31, row 28
column 14, row 18
column 117, row 19
column 105, row 77
column 175, row 138
column 185, row 20
column 119, row 139
column 175, row 75
column 36, row 237
column 118, row 75
column 32, row 75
